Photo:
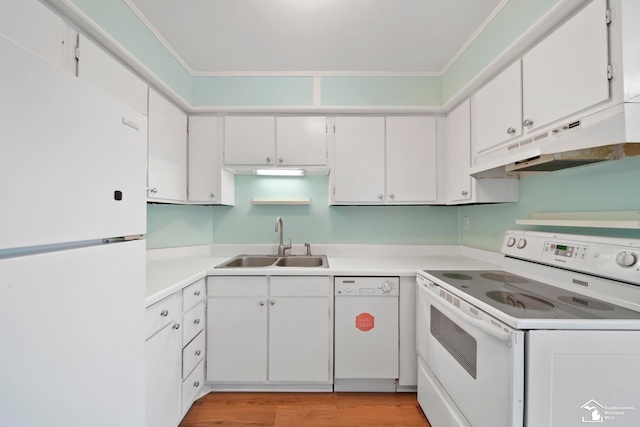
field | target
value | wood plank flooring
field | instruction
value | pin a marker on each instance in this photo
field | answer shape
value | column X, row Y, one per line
column 306, row 410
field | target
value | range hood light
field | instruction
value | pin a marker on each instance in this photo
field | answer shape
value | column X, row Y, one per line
column 279, row 172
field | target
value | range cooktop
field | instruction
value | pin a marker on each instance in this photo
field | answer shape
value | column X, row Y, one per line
column 524, row 298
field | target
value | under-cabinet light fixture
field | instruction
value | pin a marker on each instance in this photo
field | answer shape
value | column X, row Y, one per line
column 279, row 172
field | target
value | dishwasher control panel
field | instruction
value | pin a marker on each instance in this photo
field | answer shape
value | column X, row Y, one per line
column 367, row 286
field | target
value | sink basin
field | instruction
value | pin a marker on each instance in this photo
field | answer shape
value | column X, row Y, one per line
column 303, row 261
column 254, row 261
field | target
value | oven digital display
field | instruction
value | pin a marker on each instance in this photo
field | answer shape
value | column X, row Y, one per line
column 561, row 247
column 564, row 250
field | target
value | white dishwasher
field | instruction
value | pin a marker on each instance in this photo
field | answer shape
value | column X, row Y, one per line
column 366, row 333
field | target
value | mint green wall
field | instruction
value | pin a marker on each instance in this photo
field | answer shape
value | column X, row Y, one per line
column 170, row 226
column 117, row 19
column 253, row 91
column 608, row 186
column 387, row 91
column 506, row 27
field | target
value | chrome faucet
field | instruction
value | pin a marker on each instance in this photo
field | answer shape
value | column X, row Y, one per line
column 282, row 249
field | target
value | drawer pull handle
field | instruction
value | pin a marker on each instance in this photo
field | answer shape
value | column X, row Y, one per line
column 176, row 326
column 198, row 352
column 197, row 321
column 196, row 384
column 197, row 293
column 164, row 313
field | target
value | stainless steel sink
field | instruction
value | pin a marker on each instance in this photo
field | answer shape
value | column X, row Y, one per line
column 256, row 261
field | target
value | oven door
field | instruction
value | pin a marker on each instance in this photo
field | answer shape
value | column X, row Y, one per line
column 478, row 361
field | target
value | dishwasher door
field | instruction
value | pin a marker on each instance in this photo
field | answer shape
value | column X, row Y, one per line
column 366, row 328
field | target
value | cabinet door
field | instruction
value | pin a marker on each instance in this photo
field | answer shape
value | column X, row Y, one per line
column 411, row 159
column 249, row 140
column 204, row 168
column 458, row 155
column 237, row 339
column 163, row 353
column 167, row 150
column 103, row 71
column 567, row 71
column 301, row 141
column 358, row 171
column 498, row 110
column 299, row 335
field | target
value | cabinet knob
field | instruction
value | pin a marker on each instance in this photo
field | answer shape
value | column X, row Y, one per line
column 511, row 131
column 198, row 353
column 272, row 302
column 164, row 313
column 153, row 190
column 197, row 321
column 261, row 303
column 268, row 159
column 392, row 195
column 176, row 326
column 197, row 293
column 527, row 122
column 464, row 192
column 196, row 384
column 213, row 196
column 280, row 160
column 380, row 197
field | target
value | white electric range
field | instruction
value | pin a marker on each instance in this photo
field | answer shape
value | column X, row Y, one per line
column 553, row 339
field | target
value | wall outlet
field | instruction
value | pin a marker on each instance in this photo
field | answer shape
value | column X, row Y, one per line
column 465, row 222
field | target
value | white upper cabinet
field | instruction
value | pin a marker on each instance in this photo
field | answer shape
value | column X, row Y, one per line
column 34, row 26
column 249, row 140
column 301, row 141
column 458, row 154
column 103, row 71
column 498, row 110
column 208, row 182
column 567, row 71
column 378, row 160
column 358, row 163
column 411, row 163
column 271, row 141
column 167, row 169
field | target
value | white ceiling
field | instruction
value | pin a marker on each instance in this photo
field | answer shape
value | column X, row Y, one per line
column 315, row 36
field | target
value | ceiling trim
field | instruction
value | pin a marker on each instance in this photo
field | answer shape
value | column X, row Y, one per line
column 314, row 73
column 157, row 34
column 473, row 37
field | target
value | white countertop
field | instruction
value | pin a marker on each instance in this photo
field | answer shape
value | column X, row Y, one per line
column 167, row 276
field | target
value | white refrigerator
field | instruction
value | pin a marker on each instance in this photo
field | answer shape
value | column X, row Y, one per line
column 72, row 257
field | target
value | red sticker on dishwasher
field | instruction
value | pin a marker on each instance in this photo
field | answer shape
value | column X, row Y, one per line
column 365, row 322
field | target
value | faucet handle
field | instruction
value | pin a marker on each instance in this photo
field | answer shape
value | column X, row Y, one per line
column 285, row 248
column 308, row 245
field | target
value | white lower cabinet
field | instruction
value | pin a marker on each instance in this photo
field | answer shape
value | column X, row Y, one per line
column 174, row 355
column 270, row 330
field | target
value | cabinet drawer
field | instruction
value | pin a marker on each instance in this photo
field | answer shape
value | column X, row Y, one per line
column 249, row 286
column 282, row 286
column 191, row 386
column 193, row 322
column 192, row 295
column 192, row 354
column 161, row 314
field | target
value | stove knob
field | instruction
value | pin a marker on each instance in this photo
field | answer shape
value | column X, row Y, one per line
column 522, row 243
column 386, row 287
column 626, row 259
column 511, row 241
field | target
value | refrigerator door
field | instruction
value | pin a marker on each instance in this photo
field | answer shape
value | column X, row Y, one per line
column 72, row 158
column 72, row 338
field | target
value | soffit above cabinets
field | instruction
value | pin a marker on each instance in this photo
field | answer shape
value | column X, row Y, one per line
column 235, row 37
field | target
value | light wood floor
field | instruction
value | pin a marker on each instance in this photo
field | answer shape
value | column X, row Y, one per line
column 306, row 410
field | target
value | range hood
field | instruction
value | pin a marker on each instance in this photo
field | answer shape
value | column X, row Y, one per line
column 611, row 134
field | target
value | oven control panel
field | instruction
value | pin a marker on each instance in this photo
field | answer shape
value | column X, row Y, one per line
column 567, row 251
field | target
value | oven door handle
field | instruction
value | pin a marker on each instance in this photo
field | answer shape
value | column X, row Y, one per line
column 494, row 332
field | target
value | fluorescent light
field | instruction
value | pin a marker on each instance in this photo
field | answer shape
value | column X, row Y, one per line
column 279, row 172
